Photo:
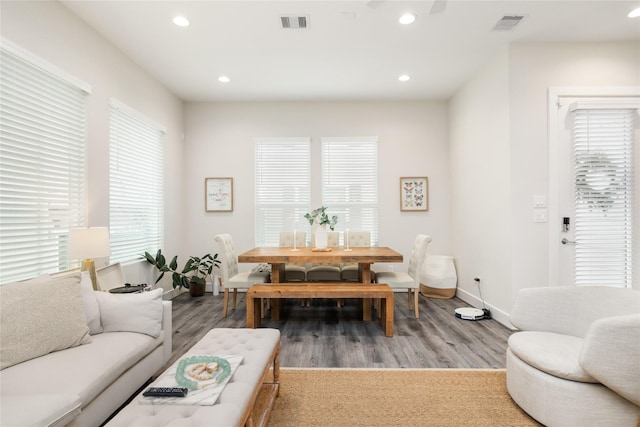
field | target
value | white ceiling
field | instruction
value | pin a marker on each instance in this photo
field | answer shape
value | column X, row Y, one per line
column 350, row 51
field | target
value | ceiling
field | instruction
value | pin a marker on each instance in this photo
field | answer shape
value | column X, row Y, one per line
column 351, row 50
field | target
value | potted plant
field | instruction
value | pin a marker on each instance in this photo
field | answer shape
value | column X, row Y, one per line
column 192, row 276
column 320, row 217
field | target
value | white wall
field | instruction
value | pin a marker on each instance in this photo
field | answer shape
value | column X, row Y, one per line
column 481, row 186
column 412, row 142
column 49, row 31
column 534, row 68
column 499, row 159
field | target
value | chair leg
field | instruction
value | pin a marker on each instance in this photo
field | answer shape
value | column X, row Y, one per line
column 410, row 296
column 235, row 295
column 225, row 302
column 416, row 304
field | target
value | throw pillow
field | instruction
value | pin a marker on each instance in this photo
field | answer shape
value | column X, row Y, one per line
column 91, row 308
column 141, row 313
column 38, row 317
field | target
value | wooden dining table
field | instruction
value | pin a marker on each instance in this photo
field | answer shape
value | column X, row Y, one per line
column 278, row 257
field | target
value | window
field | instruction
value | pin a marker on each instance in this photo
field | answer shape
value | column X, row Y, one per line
column 283, row 186
column 136, row 173
column 604, row 196
column 350, row 183
column 43, row 119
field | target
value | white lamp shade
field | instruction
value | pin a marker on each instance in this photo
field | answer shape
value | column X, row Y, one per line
column 86, row 243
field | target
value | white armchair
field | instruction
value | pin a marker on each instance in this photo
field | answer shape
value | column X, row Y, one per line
column 231, row 278
column 576, row 361
column 411, row 279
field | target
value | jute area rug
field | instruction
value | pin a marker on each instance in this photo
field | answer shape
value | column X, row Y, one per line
column 395, row 397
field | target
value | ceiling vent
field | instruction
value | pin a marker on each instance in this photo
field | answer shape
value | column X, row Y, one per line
column 508, row 23
column 294, row 21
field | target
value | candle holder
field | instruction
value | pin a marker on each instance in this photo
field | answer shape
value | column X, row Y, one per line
column 295, row 239
column 346, row 240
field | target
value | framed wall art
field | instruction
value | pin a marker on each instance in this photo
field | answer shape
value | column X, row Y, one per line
column 218, row 194
column 414, row 193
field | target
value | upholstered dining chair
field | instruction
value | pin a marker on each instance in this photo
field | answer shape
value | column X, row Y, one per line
column 325, row 272
column 231, row 278
column 294, row 272
column 356, row 239
column 411, row 279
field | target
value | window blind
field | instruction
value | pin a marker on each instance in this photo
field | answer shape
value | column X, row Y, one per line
column 282, row 187
column 350, row 183
column 136, row 184
column 43, row 121
column 604, row 196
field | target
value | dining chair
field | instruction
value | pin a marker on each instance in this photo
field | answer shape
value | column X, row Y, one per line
column 411, row 279
column 356, row 239
column 230, row 277
column 294, row 272
column 326, row 272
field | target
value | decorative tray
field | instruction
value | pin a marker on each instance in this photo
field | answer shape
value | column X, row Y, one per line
column 320, row 250
column 215, row 371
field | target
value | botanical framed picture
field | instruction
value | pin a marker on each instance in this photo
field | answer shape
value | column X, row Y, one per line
column 414, row 193
column 218, row 194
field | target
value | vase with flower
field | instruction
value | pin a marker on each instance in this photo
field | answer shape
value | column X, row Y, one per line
column 320, row 217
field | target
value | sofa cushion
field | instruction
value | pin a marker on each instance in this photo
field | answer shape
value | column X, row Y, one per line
column 90, row 303
column 39, row 317
column 141, row 313
column 84, row 371
column 552, row 353
column 36, row 409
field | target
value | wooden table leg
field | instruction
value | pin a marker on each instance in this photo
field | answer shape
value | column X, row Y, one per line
column 364, row 270
column 277, row 272
column 388, row 315
column 253, row 311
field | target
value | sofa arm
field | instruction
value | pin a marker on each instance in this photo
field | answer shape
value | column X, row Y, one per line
column 611, row 354
column 570, row 310
column 167, row 327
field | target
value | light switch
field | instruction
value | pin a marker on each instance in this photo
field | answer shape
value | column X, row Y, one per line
column 539, row 201
column 539, row 215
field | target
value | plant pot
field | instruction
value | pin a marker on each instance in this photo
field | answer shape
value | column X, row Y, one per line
column 196, row 289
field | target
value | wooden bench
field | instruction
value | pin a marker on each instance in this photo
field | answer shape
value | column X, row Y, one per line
column 320, row 290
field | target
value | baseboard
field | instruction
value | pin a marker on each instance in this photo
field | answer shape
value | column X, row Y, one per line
column 496, row 314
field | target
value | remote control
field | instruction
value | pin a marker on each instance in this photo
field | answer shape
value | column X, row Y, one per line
column 166, row 392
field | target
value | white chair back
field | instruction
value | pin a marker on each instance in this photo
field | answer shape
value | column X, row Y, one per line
column 333, row 239
column 229, row 265
column 418, row 255
column 357, row 238
column 286, row 239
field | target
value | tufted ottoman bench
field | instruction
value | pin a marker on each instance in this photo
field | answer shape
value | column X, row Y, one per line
column 247, row 398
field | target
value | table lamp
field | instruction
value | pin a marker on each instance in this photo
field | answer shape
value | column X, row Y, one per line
column 87, row 244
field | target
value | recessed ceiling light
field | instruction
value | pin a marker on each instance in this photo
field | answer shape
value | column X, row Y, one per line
column 634, row 13
column 404, row 78
column 181, row 21
column 407, row 18
column 224, row 79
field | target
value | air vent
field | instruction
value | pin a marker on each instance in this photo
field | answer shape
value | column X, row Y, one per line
column 294, row 21
column 508, row 23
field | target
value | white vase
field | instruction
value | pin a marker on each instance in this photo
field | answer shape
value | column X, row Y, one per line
column 321, row 237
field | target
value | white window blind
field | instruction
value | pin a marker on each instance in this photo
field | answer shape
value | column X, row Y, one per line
column 604, row 193
column 43, row 121
column 350, row 183
column 282, row 187
column 136, row 184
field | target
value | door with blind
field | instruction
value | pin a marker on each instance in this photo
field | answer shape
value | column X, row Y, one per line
column 598, row 194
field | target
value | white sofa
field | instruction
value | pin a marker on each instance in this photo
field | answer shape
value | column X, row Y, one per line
column 576, row 361
column 73, row 356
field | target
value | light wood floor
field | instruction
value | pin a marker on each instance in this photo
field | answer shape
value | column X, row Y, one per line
column 326, row 336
